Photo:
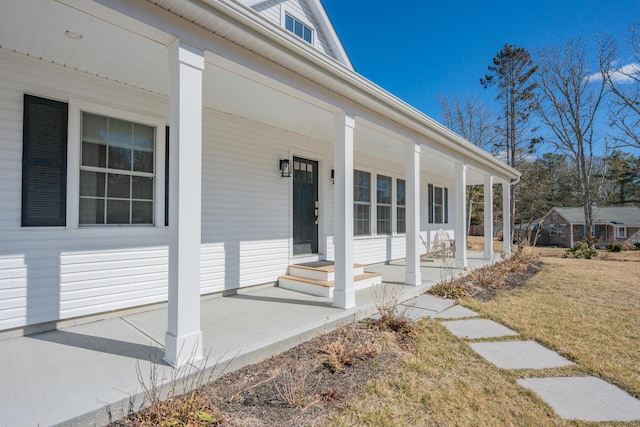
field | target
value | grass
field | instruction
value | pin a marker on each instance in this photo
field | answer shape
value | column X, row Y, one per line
column 587, row 310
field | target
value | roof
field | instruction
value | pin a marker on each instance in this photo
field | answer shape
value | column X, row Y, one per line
column 627, row 215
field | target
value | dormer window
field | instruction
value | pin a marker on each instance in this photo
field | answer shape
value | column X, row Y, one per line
column 298, row 28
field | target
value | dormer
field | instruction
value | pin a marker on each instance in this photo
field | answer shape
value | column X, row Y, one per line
column 306, row 19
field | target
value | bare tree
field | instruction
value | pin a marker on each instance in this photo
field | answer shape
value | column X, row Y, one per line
column 569, row 101
column 512, row 72
column 473, row 120
column 624, row 82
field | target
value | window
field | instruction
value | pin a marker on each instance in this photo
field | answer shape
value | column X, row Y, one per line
column 44, row 162
column 438, row 205
column 361, row 203
column 383, row 201
column 116, row 171
column 298, row 28
column 401, row 218
column 622, row 232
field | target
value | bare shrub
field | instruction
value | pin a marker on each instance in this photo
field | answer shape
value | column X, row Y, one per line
column 349, row 344
column 451, row 289
column 491, row 276
column 291, row 386
column 391, row 318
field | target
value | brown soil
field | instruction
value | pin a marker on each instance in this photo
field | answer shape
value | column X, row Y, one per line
column 305, row 384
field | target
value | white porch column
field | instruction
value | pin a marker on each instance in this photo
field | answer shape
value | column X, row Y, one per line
column 461, row 214
column 412, row 206
column 183, row 341
column 344, row 295
column 488, row 217
column 506, row 217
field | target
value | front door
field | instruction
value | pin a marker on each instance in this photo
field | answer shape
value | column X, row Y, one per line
column 305, row 206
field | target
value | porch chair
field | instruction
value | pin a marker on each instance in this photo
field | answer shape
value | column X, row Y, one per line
column 443, row 246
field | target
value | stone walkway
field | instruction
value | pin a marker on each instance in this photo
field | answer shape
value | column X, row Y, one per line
column 572, row 398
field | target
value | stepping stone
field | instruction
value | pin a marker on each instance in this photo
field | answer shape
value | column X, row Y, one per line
column 478, row 328
column 431, row 303
column 456, row 312
column 519, row 355
column 413, row 313
column 585, row 398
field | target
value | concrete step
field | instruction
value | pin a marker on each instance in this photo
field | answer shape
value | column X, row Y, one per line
column 324, row 288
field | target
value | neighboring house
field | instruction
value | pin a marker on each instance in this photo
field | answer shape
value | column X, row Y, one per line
column 280, row 153
column 565, row 226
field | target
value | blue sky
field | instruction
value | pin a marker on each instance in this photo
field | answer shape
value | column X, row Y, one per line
column 420, row 50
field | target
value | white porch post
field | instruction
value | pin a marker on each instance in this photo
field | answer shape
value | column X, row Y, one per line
column 506, row 217
column 183, row 340
column 461, row 215
column 412, row 206
column 344, row 295
column 488, row 217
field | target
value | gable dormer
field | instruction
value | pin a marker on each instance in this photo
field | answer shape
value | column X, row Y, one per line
column 306, row 19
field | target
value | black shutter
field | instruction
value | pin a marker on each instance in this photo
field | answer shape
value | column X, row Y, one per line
column 446, row 205
column 166, row 178
column 430, row 203
column 44, row 162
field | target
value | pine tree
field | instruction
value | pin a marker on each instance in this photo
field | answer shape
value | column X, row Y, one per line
column 512, row 72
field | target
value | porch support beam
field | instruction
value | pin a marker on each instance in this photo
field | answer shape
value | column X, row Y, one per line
column 488, row 217
column 183, row 340
column 461, row 215
column 412, row 206
column 506, row 217
column 344, row 295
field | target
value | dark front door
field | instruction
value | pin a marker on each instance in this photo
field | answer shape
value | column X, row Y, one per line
column 305, row 206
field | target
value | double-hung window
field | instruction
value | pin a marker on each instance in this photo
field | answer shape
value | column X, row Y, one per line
column 361, row 203
column 383, row 201
column 622, row 233
column 116, row 171
column 401, row 218
column 438, row 204
column 298, row 28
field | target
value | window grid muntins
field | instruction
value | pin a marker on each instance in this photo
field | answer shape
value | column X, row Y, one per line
column 361, row 203
column 298, row 28
column 116, row 171
column 401, row 221
column 383, row 200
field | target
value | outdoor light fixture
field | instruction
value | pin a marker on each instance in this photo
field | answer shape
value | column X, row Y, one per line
column 285, row 168
column 333, row 176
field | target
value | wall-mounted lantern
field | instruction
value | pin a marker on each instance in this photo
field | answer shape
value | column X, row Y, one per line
column 285, row 168
column 333, row 176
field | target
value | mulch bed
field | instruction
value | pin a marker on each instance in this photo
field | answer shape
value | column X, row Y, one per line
column 301, row 386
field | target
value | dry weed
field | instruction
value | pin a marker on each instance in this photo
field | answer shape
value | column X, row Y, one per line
column 353, row 343
column 291, row 386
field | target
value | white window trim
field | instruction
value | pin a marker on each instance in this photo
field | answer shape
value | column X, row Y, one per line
column 372, row 200
column 294, row 14
column 621, row 232
column 430, row 202
column 76, row 108
column 394, row 213
column 391, row 205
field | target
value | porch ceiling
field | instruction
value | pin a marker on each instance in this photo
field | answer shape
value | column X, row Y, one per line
column 126, row 51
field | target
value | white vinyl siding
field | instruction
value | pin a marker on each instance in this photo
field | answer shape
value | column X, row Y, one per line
column 274, row 11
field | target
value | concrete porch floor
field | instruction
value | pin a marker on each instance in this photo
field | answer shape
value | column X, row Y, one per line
column 88, row 374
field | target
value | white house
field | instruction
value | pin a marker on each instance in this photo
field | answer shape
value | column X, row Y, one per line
column 144, row 143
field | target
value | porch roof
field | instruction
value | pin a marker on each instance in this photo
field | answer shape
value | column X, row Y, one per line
column 252, row 65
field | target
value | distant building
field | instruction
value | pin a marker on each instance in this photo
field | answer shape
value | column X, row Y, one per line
column 565, row 226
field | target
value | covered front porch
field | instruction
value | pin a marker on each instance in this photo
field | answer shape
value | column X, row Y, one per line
column 89, row 377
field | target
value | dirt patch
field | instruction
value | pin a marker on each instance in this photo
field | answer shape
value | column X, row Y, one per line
column 301, row 386
column 511, row 282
